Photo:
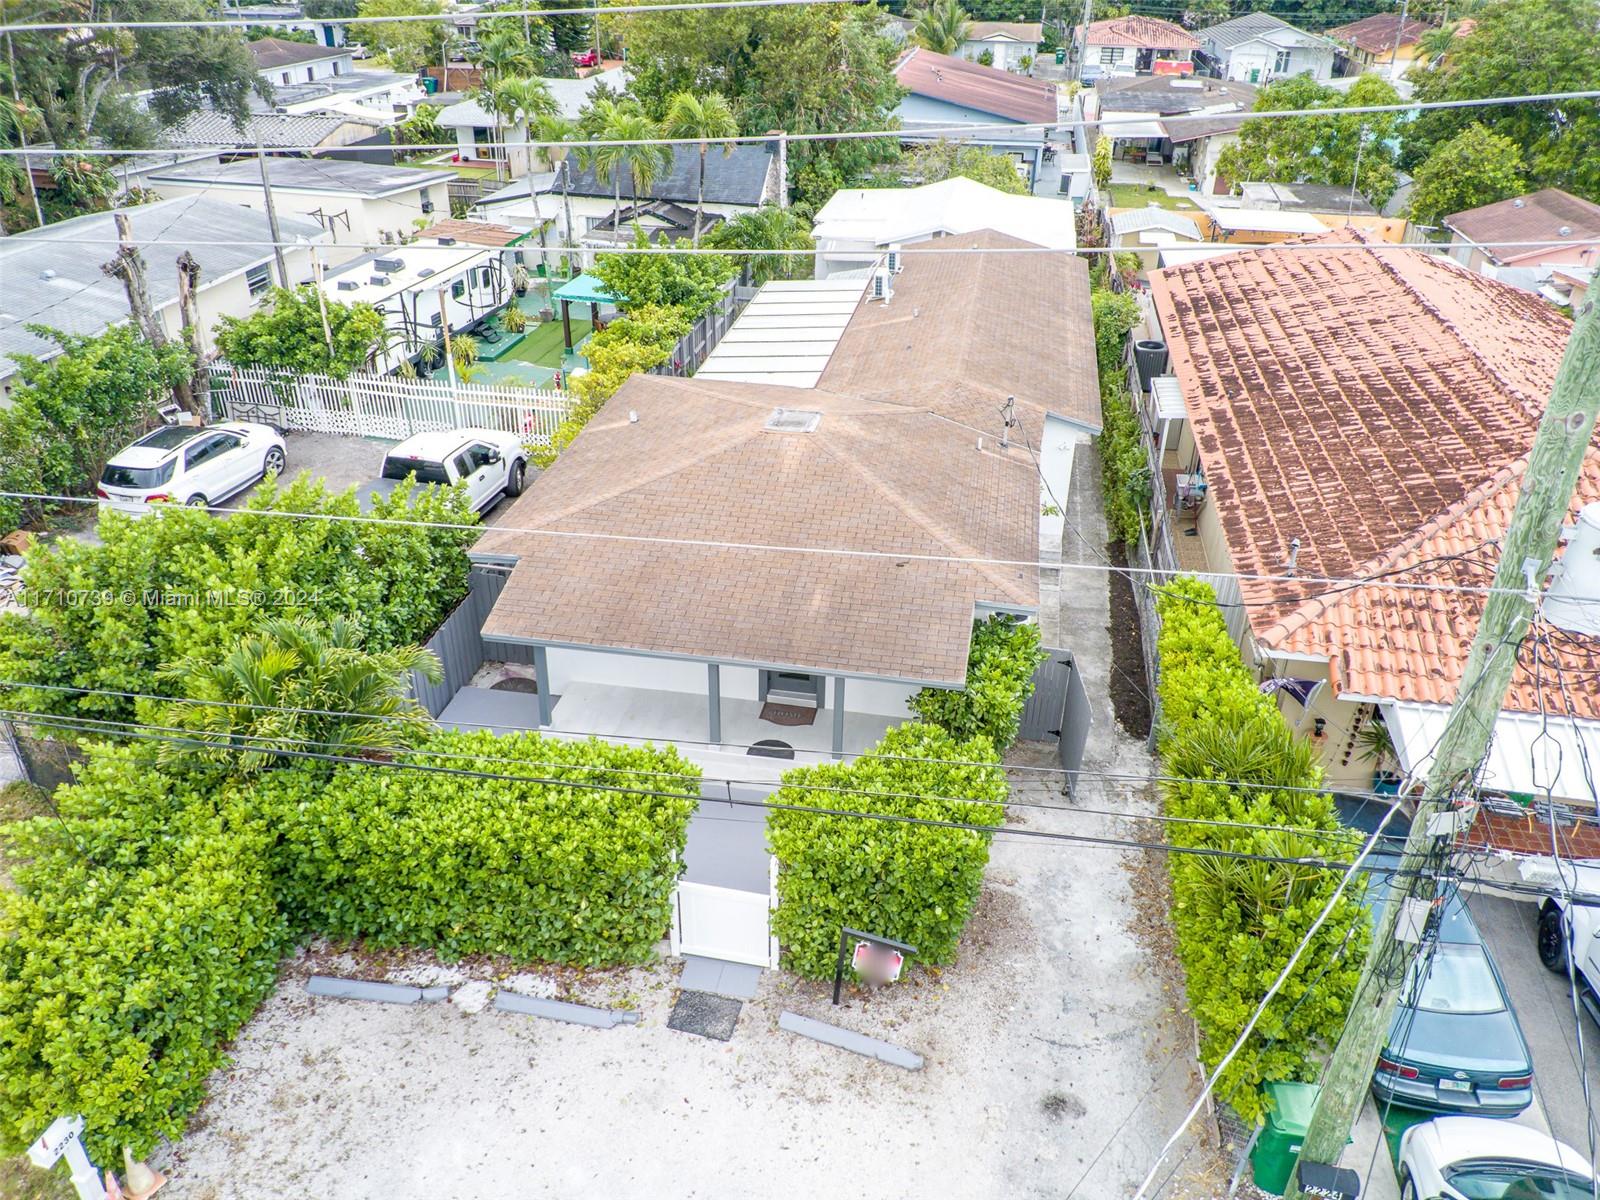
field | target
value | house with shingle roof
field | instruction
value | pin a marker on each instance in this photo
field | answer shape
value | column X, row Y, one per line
column 1558, row 227
column 1259, row 47
column 946, row 94
column 823, row 547
column 1341, row 414
column 1384, row 43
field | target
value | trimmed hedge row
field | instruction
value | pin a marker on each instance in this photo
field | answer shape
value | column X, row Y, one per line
column 913, row 883
column 1004, row 654
column 1238, row 922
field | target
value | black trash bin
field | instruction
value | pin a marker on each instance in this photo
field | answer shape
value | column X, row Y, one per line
column 1151, row 358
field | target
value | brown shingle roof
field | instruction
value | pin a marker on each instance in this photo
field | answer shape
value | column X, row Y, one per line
column 698, row 465
column 964, row 331
column 1376, row 34
column 972, row 85
column 1145, row 33
column 1538, row 216
column 473, row 233
column 1378, row 405
column 274, row 52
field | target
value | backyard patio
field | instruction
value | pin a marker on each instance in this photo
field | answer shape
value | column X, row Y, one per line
column 532, row 356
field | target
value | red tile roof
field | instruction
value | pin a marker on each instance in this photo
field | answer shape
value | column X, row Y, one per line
column 1376, row 34
column 1378, row 405
column 1144, row 33
column 972, row 85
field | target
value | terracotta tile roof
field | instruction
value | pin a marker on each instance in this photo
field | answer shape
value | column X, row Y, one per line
column 1376, row 34
column 700, row 466
column 1378, row 405
column 474, row 233
column 971, row 85
column 1538, row 216
column 1145, row 33
column 964, row 331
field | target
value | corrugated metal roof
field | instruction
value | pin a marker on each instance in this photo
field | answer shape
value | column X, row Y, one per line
column 786, row 334
column 1250, row 26
column 1154, row 217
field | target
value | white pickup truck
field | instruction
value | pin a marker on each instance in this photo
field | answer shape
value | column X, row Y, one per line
column 1564, row 927
column 490, row 464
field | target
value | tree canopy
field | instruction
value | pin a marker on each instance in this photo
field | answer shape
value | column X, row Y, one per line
column 408, row 45
column 1473, row 168
column 768, row 228
column 289, row 335
column 944, row 159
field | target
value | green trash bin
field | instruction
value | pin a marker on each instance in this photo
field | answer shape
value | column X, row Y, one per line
column 1061, row 55
column 1278, row 1146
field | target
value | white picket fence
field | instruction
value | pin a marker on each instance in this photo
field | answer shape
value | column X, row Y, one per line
column 384, row 406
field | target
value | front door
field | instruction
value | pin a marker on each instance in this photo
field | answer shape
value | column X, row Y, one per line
column 792, row 687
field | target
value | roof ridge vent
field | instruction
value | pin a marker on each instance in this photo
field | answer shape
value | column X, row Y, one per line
column 793, row 420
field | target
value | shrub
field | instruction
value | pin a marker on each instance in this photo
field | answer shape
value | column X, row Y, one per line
column 1000, row 665
column 689, row 281
column 1238, row 922
column 126, row 966
column 551, row 869
column 913, row 883
column 1125, row 471
column 290, row 335
column 188, row 583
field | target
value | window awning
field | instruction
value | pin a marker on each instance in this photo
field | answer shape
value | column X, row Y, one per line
column 1526, row 756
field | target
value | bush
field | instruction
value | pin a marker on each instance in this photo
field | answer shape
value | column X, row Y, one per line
column 549, row 869
column 291, row 335
column 187, row 583
column 692, row 282
column 1000, row 665
column 1125, row 471
column 913, row 883
column 1238, row 922
column 122, row 978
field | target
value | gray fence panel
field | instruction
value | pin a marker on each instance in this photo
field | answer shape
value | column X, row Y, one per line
column 458, row 643
column 1076, row 719
column 1058, row 711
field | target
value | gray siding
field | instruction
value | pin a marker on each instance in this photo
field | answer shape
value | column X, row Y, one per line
column 459, row 642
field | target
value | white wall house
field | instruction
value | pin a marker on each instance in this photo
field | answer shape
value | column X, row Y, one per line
column 358, row 204
column 1008, row 42
column 1259, row 47
column 282, row 63
column 474, row 126
column 309, row 79
column 53, row 278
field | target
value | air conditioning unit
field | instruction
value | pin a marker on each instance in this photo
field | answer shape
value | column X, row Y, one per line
column 427, row 206
column 882, row 288
column 348, row 285
column 895, row 262
column 378, row 280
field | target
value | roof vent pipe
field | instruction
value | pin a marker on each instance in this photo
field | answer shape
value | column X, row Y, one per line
column 1294, row 556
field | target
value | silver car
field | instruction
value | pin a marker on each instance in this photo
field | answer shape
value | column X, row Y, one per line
column 190, row 464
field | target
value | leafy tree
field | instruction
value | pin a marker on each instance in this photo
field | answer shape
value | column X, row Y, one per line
column 944, row 160
column 75, row 410
column 941, row 26
column 330, row 10
column 289, row 336
column 297, row 683
column 1100, row 163
column 1321, row 149
column 422, row 128
column 700, row 118
column 1521, row 47
column 768, row 228
column 84, row 184
column 1000, row 664
column 691, row 282
column 408, row 45
column 1473, row 168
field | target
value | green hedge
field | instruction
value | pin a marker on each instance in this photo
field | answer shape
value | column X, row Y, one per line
column 1001, row 661
column 913, row 883
column 1238, row 922
column 555, row 871
column 1125, row 471
column 121, row 982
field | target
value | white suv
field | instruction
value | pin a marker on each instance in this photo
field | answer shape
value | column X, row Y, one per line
column 188, row 464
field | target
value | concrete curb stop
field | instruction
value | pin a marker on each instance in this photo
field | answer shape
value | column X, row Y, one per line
column 845, row 1039
column 364, row 989
column 560, row 1010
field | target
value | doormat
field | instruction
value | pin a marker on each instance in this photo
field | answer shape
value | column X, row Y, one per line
column 706, row 1015
column 788, row 714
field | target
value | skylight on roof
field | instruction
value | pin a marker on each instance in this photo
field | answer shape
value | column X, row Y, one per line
column 793, row 420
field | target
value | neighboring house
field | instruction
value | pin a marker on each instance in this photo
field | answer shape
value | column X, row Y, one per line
column 901, row 446
column 1126, row 45
column 1196, row 144
column 1568, row 225
column 1009, row 42
column 1361, row 413
column 1332, row 205
column 358, row 204
column 1133, row 108
column 1150, row 230
column 1568, row 287
column 858, row 225
column 735, row 183
column 208, row 129
column 419, row 286
column 1259, row 47
column 1227, row 219
column 1374, row 43
column 945, row 93
column 475, row 130
column 309, row 79
column 53, row 277
column 282, row 63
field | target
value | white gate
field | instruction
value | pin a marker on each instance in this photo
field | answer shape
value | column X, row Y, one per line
column 722, row 923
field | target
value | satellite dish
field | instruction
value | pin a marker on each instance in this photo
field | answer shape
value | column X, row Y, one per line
column 1572, row 601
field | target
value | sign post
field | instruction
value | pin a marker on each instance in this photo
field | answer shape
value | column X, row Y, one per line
column 875, row 958
column 62, row 1140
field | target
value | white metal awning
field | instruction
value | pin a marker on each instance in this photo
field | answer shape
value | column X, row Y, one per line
column 1527, row 755
column 787, row 333
column 1168, row 396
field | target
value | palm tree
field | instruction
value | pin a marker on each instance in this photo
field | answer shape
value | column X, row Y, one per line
column 701, row 118
column 645, row 164
column 940, row 27
column 503, row 54
column 298, row 685
column 768, row 228
column 522, row 99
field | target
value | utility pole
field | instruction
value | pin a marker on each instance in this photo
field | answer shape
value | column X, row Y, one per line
column 533, row 194
column 1080, row 40
column 1399, row 30
column 1526, row 552
column 322, row 303
column 783, row 168
column 566, row 205
column 444, row 324
column 272, row 217
column 188, row 284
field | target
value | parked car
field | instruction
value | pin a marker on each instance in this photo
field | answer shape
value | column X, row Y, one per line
column 190, row 464
column 1470, row 1158
column 488, row 463
column 1455, row 1044
column 586, row 58
column 1563, row 924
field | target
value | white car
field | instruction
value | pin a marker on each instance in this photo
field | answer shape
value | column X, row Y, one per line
column 488, row 463
column 1480, row 1158
column 190, row 464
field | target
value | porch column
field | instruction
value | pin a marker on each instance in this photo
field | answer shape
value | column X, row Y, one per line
column 566, row 323
column 838, row 716
column 541, row 673
column 714, row 703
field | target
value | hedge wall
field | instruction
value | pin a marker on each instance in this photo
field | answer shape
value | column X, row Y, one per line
column 555, row 871
column 1238, row 922
column 1003, row 656
column 126, row 965
column 913, row 883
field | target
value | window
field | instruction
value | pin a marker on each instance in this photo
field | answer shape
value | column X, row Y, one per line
column 1280, row 65
column 202, row 452
column 311, row 74
column 1110, row 56
column 258, row 279
column 284, row 78
column 480, row 455
column 458, row 289
column 336, row 68
column 464, row 467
